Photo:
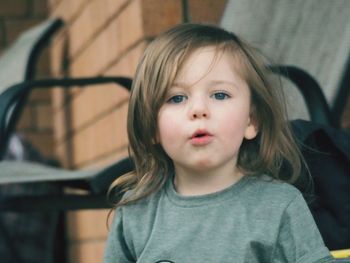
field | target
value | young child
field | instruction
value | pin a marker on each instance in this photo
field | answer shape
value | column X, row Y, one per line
column 208, row 136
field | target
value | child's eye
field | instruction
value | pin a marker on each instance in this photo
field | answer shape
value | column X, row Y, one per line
column 177, row 99
column 220, row 96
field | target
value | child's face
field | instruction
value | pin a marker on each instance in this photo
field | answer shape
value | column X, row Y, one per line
column 206, row 115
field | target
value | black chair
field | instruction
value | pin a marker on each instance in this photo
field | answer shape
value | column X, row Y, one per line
column 311, row 92
column 17, row 80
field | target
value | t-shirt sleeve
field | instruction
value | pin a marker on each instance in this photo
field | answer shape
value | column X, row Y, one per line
column 116, row 247
column 299, row 239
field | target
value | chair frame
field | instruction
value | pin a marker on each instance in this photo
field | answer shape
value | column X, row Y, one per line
column 13, row 98
column 311, row 91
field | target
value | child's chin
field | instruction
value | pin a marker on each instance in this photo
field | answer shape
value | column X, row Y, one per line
column 203, row 165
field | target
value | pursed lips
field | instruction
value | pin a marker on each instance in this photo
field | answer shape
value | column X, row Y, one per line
column 201, row 137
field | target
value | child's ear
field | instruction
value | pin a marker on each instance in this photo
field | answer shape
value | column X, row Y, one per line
column 252, row 129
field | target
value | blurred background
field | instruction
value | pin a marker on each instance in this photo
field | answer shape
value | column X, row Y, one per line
column 84, row 128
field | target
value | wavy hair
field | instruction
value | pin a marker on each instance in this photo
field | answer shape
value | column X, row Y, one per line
column 157, row 70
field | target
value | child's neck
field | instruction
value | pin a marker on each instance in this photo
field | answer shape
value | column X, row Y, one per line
column 192, row 183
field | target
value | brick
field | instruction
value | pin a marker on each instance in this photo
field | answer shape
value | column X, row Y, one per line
column 206, row 11
column 59, row 98
column 63, row 153
column 165, row 14
column 126, row 66
column 88, row 252
column 87, row 224
column 15, row 27
column 113, row 157
column 40, row 95
column 61, row 124
column 26, row 120
column 115, row 6
column 113, row 41
column 58, row 54
column 43, row 64
column 84, row 27
column 39, row 8
column 98, row 52
column 125, row 32
column 13, row 7
column 68, row 9
column 94, row 101
column 43, row 116
column 104, row 136
column 42, row 141
column 83, row 147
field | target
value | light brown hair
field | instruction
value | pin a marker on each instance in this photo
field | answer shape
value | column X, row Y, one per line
column 157, row 70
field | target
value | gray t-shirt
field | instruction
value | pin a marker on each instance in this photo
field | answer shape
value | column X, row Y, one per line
column 255, row 220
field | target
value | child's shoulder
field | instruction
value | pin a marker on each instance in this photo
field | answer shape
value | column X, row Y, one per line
column 270, row 200
column 273, row 185
column 140, row 206
column 268, row 189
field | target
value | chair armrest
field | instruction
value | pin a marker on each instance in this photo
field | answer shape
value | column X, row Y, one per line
column 9, row 111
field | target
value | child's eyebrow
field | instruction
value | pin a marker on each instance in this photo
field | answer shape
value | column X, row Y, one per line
column 223, row 82
column 179, row 85
column 210, row 83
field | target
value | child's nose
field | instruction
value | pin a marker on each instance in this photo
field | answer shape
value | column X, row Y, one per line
column 199, row 109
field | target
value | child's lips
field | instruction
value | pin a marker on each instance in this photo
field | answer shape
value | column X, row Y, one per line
column 201, row 137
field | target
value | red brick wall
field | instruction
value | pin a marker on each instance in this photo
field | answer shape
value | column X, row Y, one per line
column 103, row 37
column 36, row 123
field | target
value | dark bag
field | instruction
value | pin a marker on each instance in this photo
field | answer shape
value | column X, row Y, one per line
column 327, row 153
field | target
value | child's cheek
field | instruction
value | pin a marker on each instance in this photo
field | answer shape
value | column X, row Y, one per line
column 233, row 132
column 168, row 128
